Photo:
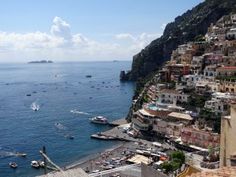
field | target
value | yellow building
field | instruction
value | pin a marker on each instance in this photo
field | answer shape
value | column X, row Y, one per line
column 228, row 139
column 227, row 86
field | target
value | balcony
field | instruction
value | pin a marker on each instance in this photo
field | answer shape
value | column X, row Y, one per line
column 140, row 125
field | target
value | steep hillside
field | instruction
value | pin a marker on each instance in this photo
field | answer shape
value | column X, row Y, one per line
column 185, row 28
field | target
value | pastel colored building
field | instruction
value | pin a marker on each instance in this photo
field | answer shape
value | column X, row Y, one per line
column 200, row 138
column 226, row 71
column 227, row 86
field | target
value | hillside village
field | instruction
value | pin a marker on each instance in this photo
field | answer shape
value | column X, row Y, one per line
column 183, row 122
column 187, row 98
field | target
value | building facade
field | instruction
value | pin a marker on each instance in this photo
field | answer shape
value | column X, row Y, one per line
column 200, row 138
column 227, row 142
column 172, row 96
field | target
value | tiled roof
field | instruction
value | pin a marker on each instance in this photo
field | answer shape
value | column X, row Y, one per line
column 162, row 114
column 222, row 172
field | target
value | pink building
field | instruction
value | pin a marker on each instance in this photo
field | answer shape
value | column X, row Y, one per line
column 201, row 138
column 211, row 58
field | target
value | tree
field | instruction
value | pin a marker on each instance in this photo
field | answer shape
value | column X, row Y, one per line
column 168, row 167
column 178, row 156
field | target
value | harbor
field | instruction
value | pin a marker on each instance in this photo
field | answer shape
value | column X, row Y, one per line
column 61, row 123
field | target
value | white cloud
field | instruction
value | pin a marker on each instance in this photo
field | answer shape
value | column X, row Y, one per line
column 125, row 36
column 61, row 44
column 137, row 42
column 61, row 29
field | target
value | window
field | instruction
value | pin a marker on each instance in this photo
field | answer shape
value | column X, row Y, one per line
column 225, row 107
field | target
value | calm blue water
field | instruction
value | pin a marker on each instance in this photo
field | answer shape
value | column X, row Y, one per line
column 57, row 88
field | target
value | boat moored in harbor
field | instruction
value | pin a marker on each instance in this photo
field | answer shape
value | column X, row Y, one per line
column 99, row 120
column 35, row 164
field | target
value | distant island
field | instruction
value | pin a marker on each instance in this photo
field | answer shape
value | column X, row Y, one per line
column 41, row 61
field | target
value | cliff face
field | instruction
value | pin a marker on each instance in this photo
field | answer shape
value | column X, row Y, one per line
column 184, row 29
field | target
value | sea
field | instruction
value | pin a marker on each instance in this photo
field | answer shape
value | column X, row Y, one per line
column 65, row 100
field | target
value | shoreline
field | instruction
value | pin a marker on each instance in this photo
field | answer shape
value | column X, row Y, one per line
column 97, row 155
column 93, row 156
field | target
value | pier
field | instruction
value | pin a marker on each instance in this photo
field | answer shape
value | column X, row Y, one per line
column 118, row 122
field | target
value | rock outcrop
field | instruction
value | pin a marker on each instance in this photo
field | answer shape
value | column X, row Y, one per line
column 184, row 29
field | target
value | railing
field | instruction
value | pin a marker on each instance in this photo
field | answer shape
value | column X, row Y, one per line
column 106, row 172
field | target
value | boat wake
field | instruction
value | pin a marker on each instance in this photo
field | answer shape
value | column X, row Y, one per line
column 34, row 106
column 64, row 131
column 6, row 154
column 59, row 126
column 74, row 111
column 9, row 152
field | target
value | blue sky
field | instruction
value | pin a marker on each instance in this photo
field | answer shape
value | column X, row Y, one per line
column 81, row 30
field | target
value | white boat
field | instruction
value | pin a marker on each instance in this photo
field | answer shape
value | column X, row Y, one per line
column 41, row 163
column 18, row 154
column 99, row 120
column 35, row 106
column 35, row 164
column 13, row 165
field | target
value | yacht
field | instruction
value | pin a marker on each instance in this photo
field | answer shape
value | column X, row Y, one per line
column 99, row 120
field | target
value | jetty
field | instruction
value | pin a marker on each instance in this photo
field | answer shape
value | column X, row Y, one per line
column 102, row 137
column 118, row 122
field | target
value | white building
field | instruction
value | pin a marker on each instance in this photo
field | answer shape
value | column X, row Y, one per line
column 231, row 34
column 220, row 102
column 217, row 106
column 214, row 86
column 183, row 48
column 191, row 80
column 210, row 71
column 172, row 96
column 233, row 18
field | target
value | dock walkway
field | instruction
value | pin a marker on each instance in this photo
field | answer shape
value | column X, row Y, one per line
column 118, row 122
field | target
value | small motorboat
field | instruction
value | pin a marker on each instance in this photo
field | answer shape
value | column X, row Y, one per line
column 13, row 165
column 88, row 76
column 69, row 137
column 35, row 164
column 35, row 107
column 41, row 163
column 99, row 120
column 18, row 154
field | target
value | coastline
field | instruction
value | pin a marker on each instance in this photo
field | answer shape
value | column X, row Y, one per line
column 96, row 155
column 92, row 157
